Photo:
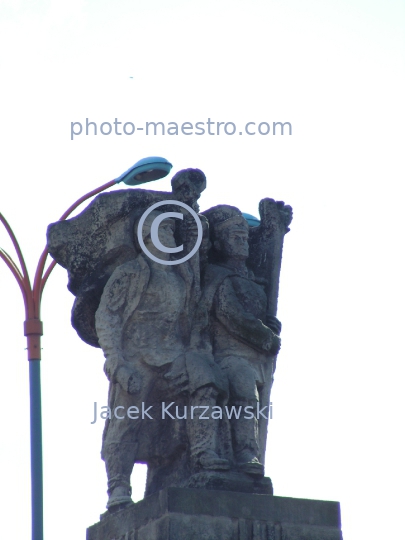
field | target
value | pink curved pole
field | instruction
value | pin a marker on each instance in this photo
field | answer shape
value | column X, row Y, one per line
column 16, row 245
column 18, row 276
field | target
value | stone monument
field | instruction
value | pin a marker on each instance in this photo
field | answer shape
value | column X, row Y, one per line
column 183, row 306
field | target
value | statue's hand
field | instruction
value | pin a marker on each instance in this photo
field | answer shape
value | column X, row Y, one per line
column 134, row 384
column 128, row 379
column 274, row 324
column 275, row 215
column 273, row 344
column 178, row 382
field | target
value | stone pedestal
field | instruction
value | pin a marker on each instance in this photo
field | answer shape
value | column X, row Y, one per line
column 199, row 514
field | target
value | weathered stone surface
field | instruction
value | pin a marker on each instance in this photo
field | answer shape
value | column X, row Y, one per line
column 91, row 245
column 231, row 481
column 197, row 336
column 187, row 514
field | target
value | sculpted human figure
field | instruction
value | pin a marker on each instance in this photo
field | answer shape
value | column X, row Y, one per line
column 144, row 323
column 244, row 340
column 139, row 327
column 187, row 186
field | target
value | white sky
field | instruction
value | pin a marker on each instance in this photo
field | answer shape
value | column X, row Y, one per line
column 335, row 70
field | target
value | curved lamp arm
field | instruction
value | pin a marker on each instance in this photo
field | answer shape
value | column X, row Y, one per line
column 17, row 274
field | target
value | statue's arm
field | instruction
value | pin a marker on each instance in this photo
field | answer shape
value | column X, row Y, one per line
column 109, row 326
column 240, row 323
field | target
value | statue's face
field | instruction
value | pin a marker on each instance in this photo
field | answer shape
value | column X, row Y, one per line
column 165, row 233
column 233, row 243
column 190, row 191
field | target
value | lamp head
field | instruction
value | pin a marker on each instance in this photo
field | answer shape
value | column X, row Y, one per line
column 252, row 220
column 145, row 170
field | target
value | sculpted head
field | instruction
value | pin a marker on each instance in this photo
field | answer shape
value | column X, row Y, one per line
column 187, row 186
column 229, row 232
column 165, row 234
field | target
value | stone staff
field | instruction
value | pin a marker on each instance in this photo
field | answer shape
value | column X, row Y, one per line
column 266, row 248
column 266, row 242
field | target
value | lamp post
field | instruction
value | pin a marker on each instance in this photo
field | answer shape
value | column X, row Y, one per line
column 143, row 171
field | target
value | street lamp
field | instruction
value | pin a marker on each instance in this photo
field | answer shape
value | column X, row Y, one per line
column 145, row 170
column 252, row 220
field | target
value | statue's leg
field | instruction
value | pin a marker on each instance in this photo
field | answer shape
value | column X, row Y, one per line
column 245, row 438
column 119, row 448
column 119, row 461
column 203, row 433
column 244, row 423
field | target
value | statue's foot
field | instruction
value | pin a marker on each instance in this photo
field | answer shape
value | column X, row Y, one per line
column 210, row 460
column 119, row 498
column 251, row 466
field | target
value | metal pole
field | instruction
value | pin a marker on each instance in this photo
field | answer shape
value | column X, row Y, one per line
column 37, row 516
column 33, row 331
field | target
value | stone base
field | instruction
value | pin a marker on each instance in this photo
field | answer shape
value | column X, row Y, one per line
column 230, row 481
column 198, row 514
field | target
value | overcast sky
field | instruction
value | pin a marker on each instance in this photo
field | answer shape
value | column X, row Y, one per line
column 335, row 71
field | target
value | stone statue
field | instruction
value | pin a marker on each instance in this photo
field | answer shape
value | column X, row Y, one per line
column 189, row 348
column 143, row 325
column 245, row 338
